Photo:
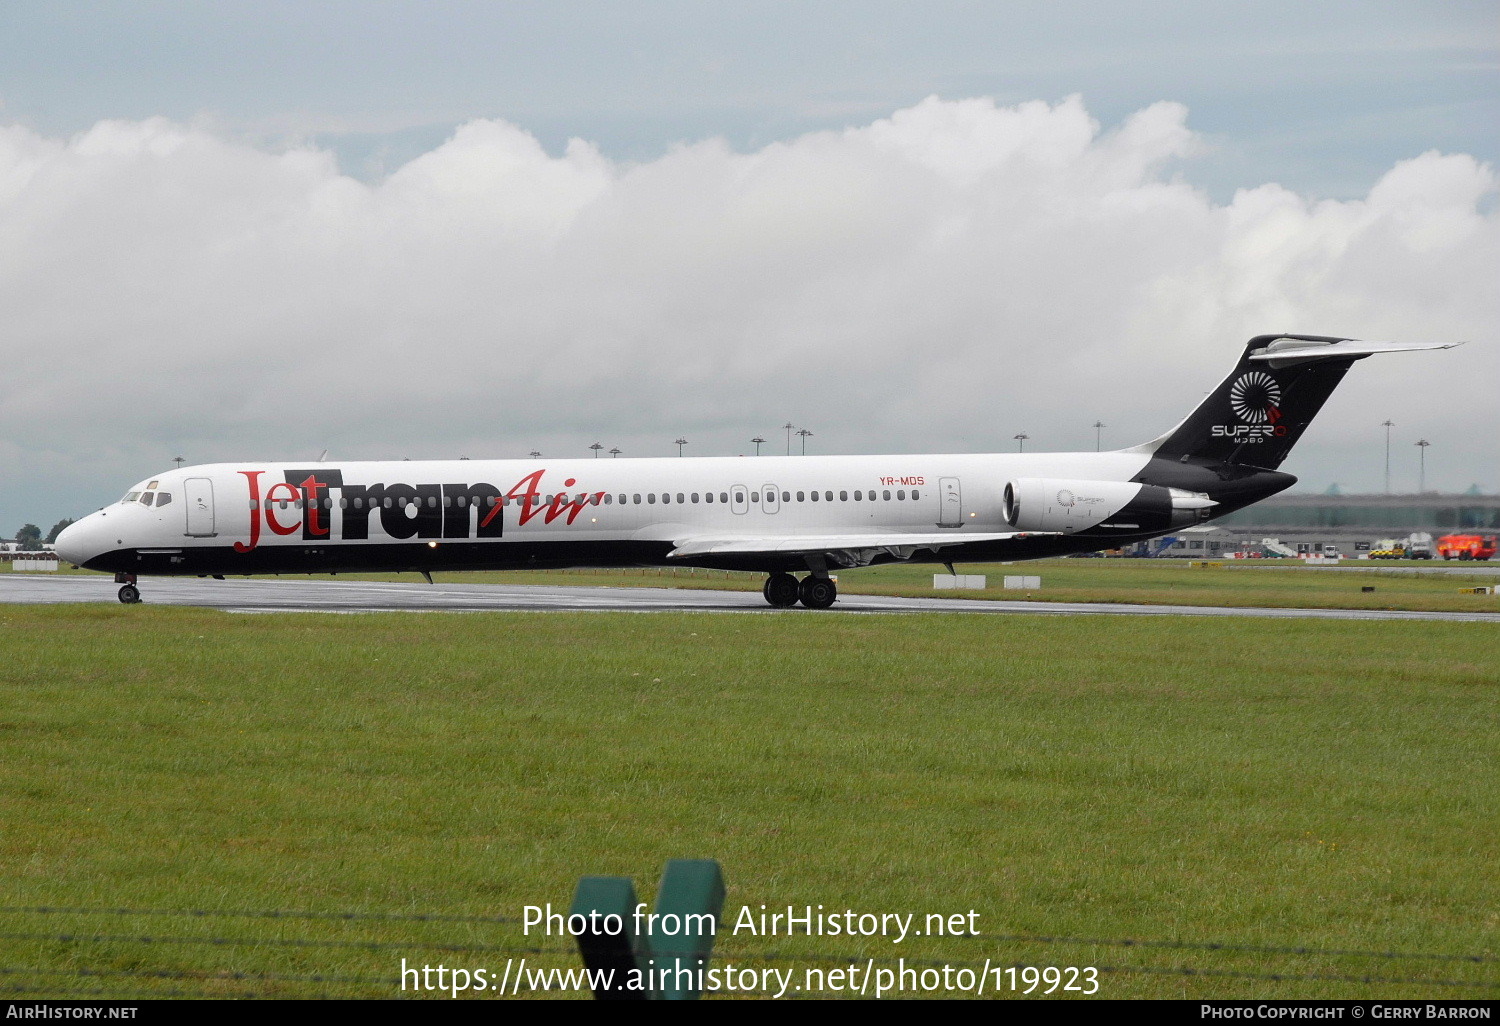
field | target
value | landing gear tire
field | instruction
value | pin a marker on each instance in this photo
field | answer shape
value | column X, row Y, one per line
column 781, row 590
column 130, row 594
column 817, row 592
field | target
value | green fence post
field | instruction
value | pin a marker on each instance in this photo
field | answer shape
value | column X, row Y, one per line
column 681, row 932
column 610, row 944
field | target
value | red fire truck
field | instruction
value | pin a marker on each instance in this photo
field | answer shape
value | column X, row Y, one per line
column 1466, row 546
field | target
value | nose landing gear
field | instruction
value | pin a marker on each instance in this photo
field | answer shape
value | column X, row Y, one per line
column 129, row 593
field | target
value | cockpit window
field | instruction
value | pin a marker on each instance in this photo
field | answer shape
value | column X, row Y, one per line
column 153, row 484
column 131, row 496
column 146, row 498
column 162, row 498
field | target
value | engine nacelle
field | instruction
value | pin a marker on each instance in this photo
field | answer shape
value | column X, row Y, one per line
column 1069, row 506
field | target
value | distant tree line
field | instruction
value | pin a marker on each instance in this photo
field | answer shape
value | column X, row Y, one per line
column 29, row 537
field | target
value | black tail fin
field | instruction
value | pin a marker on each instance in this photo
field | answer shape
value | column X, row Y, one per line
column 1260, row 410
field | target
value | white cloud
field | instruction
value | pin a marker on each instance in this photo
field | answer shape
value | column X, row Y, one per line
column 939, row 279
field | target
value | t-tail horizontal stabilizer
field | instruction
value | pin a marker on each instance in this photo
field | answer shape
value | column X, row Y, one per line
column 1260, row 410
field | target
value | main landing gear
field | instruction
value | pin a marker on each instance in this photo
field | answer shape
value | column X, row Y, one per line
column 129, row 593
column 815, row 592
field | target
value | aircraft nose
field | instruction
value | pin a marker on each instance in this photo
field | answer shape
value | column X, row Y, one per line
column 76, row 543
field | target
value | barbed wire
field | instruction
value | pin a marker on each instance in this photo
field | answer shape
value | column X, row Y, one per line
column 212, row 976
column 420, row 917
column 215, row 976
column 205, row 975
column 284, row 942
column 788, row 956
column 1126, row 942
column 1223, row 946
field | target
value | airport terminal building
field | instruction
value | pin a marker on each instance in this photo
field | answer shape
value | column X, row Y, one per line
column 1352, row 523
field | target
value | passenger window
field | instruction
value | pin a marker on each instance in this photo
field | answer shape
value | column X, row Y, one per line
column 755, row 496
column 651, row 498
column 814, row 496
column 254, row 504
column 708, row 496
column 856, row 496
column 801, row 497
column 914, row 494
column 162, row 498
column 694, row 496
column 343, row 502
column 901, row 494
column 739, row 496
column 723, row 496
column 679, row 497
column 386, row 502
column 886, row 495
column 666, row 498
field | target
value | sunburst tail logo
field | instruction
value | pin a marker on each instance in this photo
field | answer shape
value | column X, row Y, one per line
column 1255, row 398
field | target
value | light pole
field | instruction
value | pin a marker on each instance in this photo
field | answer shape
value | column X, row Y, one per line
column 758, row 443
column 680, row 443
column 1388, row 425
column 535, row 455
column 1098, row 427
column 788, row 425
column 806, row 434
column 1422, row 445
column 596, row 447
column 614, row 453
column 179, row 460
column 1021, row 441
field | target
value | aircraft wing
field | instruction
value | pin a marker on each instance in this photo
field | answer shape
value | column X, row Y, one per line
column 704, row 545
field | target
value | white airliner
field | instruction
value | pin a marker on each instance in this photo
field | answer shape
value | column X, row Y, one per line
column 776, row 515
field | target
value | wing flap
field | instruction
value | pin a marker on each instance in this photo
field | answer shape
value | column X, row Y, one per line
column 752, row 545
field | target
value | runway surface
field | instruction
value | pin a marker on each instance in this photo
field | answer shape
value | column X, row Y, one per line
column 321, row 596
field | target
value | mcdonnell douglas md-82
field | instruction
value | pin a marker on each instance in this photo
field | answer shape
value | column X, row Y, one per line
column 775, row 515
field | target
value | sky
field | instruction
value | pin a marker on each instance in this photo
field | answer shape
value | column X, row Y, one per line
column 234, row 231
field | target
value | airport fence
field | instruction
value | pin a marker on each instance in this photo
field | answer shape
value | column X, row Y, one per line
column 99, row 952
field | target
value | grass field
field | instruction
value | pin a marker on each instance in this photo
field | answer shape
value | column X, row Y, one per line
column 1252, row 783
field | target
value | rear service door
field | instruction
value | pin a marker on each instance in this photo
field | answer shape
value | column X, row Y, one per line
column 200, row 507
column 950, row 510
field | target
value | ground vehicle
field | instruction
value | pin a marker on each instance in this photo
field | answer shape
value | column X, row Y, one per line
column 1419, row 545
column 1466, row 546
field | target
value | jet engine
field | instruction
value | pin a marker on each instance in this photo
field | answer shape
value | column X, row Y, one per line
column 1069, row 506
